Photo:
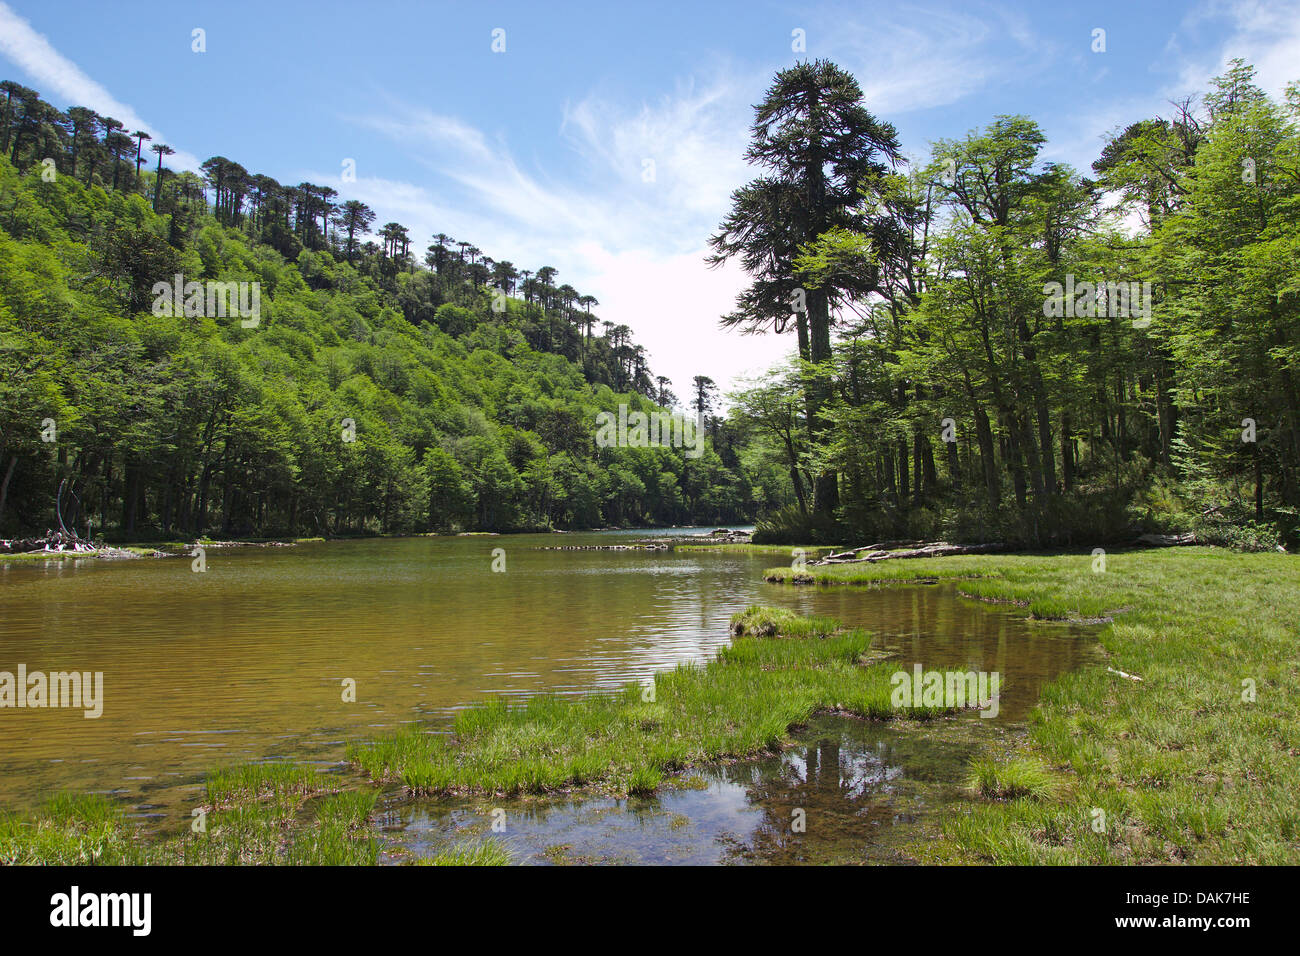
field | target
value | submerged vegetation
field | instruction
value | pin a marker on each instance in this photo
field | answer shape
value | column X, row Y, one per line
column 257, row 814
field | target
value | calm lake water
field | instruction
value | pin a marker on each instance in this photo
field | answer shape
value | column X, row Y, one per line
column 247, row 660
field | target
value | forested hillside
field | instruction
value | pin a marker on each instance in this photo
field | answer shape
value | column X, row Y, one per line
column 988, row 345
column 993, row 346
column 373, row 392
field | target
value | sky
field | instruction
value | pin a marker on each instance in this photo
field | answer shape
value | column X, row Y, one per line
column 604, row 139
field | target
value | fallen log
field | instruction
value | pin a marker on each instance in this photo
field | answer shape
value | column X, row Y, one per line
column 1167, row 540
column 53, row 542
column 936, row 549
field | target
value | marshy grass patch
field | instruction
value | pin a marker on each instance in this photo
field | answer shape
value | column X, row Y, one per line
column 72, row 830
column 1185, row 762
column 281, row 779
column 489, row 852
column 760, row 621
column 780, row 670
column 1023, row 777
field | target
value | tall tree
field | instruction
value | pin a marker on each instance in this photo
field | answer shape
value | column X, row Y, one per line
column 162, row 149
column 822, row 153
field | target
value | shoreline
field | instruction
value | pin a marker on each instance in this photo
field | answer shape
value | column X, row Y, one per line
column 130, row 550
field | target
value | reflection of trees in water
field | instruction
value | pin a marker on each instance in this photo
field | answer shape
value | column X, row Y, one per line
column 839, row 792
column 848, row 786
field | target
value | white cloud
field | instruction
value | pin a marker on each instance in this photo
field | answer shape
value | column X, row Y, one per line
column 637, row 246
column 915, row 58
column 1264, row 34
column 52, row 72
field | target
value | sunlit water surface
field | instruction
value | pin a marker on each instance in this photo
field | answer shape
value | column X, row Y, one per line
column 247, row 661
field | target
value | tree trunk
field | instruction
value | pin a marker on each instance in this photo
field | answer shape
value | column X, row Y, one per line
column 4, row 485
column 988, row 456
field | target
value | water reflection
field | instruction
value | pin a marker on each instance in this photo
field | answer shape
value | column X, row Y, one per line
column 847, row 792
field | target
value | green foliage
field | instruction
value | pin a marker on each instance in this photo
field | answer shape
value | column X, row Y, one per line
column 791, row 525
column 1001, row 371
column 371, row 396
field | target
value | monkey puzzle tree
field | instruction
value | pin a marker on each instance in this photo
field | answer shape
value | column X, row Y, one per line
column 355, row 219
column 822, row 154
column 162, row 149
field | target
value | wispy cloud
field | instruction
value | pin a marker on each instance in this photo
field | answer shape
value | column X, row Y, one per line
column 628, row 223
column 1197, row 49
column 913, row 58
column 1264, row 34
column 54, row 73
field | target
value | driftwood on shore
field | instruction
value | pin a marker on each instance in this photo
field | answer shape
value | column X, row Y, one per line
column 52, row 542
column 883, row 552
column 1132, row 677
column 605, row 547
column 720, row 536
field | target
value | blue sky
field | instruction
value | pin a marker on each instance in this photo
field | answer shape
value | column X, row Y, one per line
column 538, row 154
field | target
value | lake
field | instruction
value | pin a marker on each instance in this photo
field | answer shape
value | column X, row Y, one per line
column 248, row 660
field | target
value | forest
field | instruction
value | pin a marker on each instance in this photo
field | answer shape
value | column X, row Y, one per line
column 988, row 346
column 375, row 391
column 996, row 347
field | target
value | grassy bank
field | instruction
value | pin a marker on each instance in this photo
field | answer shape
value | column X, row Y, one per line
column 1180, row 766
column 779, row 671
column 256, row 814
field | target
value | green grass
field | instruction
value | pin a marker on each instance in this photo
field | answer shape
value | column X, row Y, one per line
column 1012, row 779
column 778, row 673
column 263, row 814
column 1177, row 767
column 485, row 853
column 70, row 831
column 758, row 621
column 228, row 784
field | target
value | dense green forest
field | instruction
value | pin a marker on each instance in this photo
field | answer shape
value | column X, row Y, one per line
column 986, row 352
column 990, row 346
column 372, row 392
